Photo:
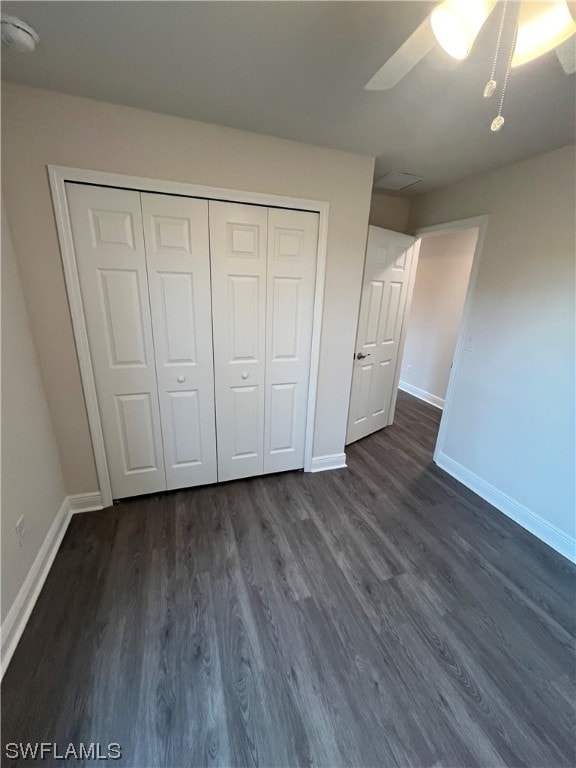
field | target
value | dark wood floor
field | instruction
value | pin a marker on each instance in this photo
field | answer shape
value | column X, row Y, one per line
column 381, row 615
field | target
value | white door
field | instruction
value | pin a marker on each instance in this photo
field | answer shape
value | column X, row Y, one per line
column 387, row 275
column 199, row 318
column 263, row 275
column 178, row 261
column 291, row 273
column 109, row 244
column 238, row 252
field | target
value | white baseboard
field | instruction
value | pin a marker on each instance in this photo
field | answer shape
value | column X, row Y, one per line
column 542, row 529
column 333, row 461
column 19, row 613
column 421, row 394
column 85, row 502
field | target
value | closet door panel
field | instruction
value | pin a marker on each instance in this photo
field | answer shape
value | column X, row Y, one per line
column 238, row 238
column 108, row 240
column 178, row 260
column 291, row 273
column 185, row 428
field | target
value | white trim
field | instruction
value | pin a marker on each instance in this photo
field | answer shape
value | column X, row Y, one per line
column 57, row 181
column 451, row 226
column 86, row 502
column 421, row 394
column 331, row 461
column 145, row 184
column 316, row 334
column 548, row 533
column 481, row 223
column 19, row 613
column 59, row 175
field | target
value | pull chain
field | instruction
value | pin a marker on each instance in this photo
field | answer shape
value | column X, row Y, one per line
column 498, row 121
column 491, row 84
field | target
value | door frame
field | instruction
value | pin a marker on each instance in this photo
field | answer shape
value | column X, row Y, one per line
column 480, row 223
column 59, row 175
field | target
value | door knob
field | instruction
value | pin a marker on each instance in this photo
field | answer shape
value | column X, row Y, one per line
column 361, row 356
column 245, row 375
column 181, row 379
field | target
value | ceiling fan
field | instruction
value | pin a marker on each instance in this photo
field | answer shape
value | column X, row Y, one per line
column 455, row 24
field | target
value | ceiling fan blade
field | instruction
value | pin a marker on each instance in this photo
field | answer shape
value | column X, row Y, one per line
column 566, row 53
column 406, row 57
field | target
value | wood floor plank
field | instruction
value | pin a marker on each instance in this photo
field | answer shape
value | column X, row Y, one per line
column 379, row 615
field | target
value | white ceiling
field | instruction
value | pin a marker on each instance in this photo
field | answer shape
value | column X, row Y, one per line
column 297, row 70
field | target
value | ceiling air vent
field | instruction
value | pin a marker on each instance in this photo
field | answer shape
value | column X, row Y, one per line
column 395, row 181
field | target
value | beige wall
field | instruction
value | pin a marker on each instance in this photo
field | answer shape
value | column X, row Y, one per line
column 440, row 287
column 513, row 417
column 41, row 127
column 32, row 482
column 389, row 212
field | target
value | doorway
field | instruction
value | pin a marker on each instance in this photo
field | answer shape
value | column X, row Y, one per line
column 441, row 281
column 441, row 315
column 437, row 319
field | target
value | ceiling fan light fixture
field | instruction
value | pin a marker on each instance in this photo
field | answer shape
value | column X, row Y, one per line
column 542, row 26
column 456, row 24
column 17, row 34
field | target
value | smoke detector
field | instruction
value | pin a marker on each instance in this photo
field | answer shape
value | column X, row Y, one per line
column 17, row 34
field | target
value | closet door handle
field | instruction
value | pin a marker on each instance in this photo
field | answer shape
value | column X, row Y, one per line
column 181, row 379
column 245, row 375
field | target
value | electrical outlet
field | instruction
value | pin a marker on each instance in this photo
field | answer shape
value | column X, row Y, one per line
column 408, row 370
column 21, row 529
column 469, row 343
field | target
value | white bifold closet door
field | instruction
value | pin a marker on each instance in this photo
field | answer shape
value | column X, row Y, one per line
column 291, row 276
column 178, row 262
column 238, row 250
column 147, row 309
column 263, row 274
column 199, row 320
